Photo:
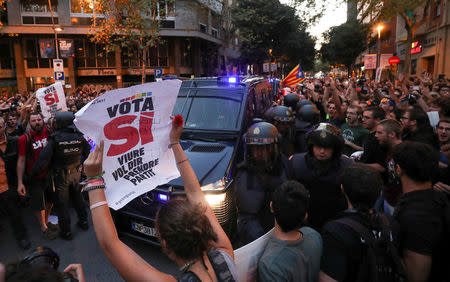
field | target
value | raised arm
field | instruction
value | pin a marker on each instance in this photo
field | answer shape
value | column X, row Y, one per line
column 129, row 264
column 193, row 190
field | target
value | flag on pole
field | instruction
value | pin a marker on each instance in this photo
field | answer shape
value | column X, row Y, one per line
column 294, row 77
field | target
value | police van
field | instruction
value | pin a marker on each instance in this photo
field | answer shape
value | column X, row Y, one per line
column 216, row 112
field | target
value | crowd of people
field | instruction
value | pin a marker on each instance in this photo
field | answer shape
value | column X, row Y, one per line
column 364, row 167
column 352, row 174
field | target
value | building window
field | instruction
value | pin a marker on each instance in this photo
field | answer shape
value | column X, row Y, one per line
column 91, row 55
column 167, row 24
column 82, row 11
column 202, row 27
column 214, row 32
column 166, row 9
column 413, row 66
column 6, row 59
column 157, row 56
column 82, row 7
column 35, row 57
column 186, row 53
column 38, row 12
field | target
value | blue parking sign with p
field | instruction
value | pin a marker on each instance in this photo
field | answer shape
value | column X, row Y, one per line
column 59, row 75
column 158, row 73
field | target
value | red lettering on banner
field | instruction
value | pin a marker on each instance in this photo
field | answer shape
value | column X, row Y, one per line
column 114, row 131
column 145, row 127
column 51, row 98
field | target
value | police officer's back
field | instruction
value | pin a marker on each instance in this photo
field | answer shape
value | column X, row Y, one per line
column 64, row 153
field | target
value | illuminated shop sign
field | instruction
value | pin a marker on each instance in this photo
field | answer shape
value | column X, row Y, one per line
column 416, row 48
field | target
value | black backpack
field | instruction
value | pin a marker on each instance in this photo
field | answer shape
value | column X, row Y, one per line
column 380, row 260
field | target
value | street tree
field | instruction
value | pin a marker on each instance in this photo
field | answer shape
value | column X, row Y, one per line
column 344, row 43
column 269, row 29
column 3, row 14
column 133, row 25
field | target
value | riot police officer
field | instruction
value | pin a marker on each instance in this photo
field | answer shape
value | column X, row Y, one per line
column 307, row 116
column 319, row 169
column 64, row 153
column 291, row 100
column 284, row 120
column 262, row 171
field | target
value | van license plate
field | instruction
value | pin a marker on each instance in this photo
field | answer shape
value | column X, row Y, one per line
column 141, row 228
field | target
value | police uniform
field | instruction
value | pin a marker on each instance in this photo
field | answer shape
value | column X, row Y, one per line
column 255, row 183
column 65, row 151
column 321, row 178
column 282, row 117
column 307, row 117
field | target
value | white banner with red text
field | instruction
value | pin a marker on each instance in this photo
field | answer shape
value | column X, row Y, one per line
column 134, row 123
column 52, row 100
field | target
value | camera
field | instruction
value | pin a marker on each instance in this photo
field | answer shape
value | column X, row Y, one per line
column 42, row 261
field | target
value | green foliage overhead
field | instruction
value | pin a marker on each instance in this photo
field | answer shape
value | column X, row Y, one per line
column 344, row 43
column 267, row 24
column 125, row 22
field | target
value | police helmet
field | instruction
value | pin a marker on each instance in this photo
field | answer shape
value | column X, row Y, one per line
column 309, row 113
column 326, row 135
column 282, row 114
column 301, row 103
column 64, row 119
column 262, row 134
column 290, row 100
column 267, row 116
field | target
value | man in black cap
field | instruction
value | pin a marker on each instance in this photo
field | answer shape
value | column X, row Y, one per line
column 64, row 153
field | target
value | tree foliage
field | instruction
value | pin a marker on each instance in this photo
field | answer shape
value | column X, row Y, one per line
column 265, row 25
column 127, row 23
column 344, row 43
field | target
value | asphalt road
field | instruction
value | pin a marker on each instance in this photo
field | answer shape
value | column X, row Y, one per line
column 83, row 248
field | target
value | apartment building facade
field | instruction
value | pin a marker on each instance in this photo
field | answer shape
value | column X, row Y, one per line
column 430, row 50
column 193, row 45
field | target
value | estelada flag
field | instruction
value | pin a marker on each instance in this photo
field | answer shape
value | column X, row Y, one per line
column 294, row 77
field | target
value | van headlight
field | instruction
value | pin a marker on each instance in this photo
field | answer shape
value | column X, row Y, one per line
column 215, row 186
column 215, row 199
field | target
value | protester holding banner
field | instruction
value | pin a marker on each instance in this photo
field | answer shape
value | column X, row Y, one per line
column 188, row 230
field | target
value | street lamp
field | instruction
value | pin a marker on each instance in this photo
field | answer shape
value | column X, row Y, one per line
column 379, row 28
column 56, row 29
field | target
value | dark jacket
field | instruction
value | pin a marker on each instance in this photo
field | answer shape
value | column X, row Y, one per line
column 10, row 159
column 66, row 149
column 324, row 187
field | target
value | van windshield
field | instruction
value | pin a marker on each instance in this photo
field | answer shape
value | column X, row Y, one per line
column 209, row 111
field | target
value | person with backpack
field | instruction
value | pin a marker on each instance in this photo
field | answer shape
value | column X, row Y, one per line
column 39, row 187
column 423, row 214
column 360, row 245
